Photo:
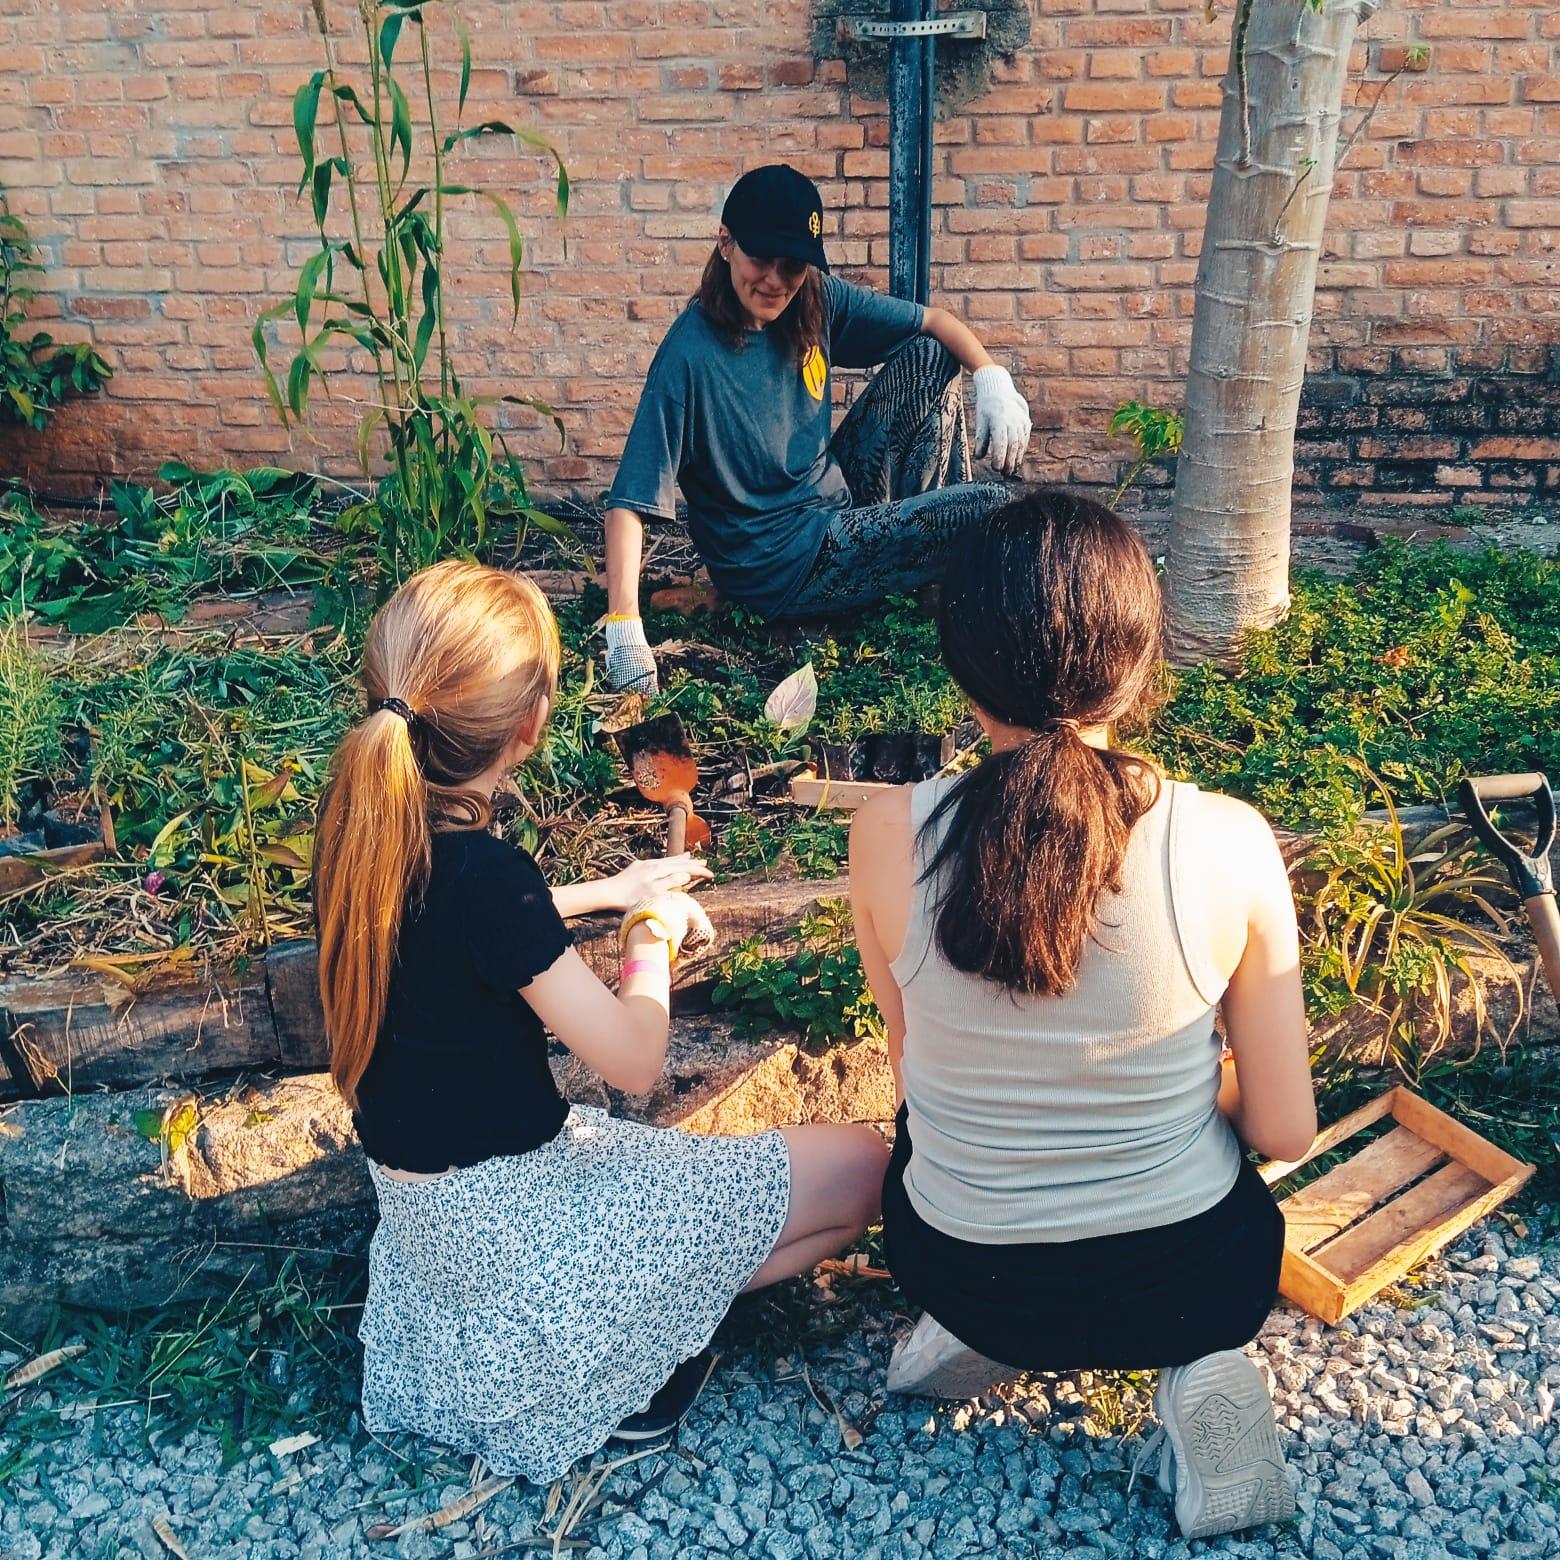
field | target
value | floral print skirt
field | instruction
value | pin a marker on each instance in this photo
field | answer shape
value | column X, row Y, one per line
column 522, row 1307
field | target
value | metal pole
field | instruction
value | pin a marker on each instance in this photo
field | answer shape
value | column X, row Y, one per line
column 923, row 269
column 906, row 98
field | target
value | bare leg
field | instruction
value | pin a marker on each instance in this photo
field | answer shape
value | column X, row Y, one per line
column 836, row 1192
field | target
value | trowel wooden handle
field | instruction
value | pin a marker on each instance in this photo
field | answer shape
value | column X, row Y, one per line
column 676, row 828
column 1545, row 921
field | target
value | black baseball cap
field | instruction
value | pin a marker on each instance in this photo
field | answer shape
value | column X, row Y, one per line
column 774, row 210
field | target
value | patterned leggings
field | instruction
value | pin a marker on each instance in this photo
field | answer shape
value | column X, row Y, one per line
column 905, row 454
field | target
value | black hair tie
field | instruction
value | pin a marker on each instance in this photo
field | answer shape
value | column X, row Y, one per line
column 398, row 707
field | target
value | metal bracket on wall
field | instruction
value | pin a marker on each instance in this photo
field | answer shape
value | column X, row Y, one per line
column 957, row 24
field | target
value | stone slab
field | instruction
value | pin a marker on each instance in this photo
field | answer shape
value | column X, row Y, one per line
column 94, row 1213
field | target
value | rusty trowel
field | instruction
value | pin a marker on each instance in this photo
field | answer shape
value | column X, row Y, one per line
column 661, row 764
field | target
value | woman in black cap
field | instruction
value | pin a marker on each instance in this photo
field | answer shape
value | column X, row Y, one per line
column 735, row 411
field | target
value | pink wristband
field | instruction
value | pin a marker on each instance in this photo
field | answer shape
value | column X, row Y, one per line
column 641, row 966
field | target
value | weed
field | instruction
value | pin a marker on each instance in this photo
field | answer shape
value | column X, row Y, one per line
column 819, row 991
column 31, row 709
column 1157, row 433
column 1388, row 924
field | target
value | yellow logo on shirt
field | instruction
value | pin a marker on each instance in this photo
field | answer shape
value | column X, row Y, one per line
column 815, row 373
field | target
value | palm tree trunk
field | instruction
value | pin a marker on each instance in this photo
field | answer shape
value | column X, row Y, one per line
column 1228, row 563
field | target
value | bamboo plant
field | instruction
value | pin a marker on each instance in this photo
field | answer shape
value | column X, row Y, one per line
column 379, row 281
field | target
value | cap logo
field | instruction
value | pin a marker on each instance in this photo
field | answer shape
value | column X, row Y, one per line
column 815, row 224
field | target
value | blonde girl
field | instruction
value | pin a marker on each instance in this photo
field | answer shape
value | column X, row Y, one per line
column 541, row 1271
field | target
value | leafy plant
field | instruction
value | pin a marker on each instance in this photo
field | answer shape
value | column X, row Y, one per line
column 1158, row 433
column 819, row 990
column 1426, row 664
column 36, row 374
column 383, row 287
column 1387, row 923
column 154, row 551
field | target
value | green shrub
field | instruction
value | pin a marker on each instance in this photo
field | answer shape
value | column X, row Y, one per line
column 36, row 374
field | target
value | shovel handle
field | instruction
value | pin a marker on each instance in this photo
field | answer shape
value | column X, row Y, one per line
column 1531, row 872
column 1544, row 918
column 676, row 829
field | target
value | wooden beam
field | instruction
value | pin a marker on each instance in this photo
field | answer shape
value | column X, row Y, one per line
column 85, row 1030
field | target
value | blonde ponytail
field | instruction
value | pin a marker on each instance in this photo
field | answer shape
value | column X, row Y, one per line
column 456, row 663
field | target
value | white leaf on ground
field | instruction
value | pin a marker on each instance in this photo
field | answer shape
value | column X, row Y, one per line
column 292, row 1443
column 793, row 702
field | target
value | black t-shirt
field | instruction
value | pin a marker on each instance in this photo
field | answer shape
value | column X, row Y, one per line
column 459, row 1073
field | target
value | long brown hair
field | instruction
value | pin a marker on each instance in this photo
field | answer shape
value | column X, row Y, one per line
column 1050, row 620
column 470, row 652
column 797, row 330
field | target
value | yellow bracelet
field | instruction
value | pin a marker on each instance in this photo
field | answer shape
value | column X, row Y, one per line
column 621, row 617
column 650, row 918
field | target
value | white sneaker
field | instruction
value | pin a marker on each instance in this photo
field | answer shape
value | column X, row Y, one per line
column 931, row 1362
column 1222, row 1446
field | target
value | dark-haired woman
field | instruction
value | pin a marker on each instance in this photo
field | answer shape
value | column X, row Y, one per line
column 736, row 408
column 1048, row 937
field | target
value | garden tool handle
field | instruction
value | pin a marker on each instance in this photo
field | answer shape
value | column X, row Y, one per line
column 1545, row 920
column 676, row 828
column 1531, row 874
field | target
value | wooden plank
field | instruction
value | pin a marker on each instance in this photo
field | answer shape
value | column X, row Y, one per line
column 86, row 1031
column 843, row 794
column 292, row 978
column 1332, row 1202
column 1416, row 1248
column 1421, row 1207
column 19, row 873
column 1460, row 1142
column 1373, row 1110
column 1310, row 1286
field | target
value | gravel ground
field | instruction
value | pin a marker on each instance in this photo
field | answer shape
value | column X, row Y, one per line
column 1415, row 1432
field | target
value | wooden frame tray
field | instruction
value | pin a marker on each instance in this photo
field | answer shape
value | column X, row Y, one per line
column 1400, row 1199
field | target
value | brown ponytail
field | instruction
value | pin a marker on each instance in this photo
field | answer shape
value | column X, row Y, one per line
column 1050, row 619
column 455, row 664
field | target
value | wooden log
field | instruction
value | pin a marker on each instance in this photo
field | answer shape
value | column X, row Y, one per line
column 18, row 873
column 84, row 1031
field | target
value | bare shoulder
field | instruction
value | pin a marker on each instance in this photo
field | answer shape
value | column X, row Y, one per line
column 880, row 829
column 1231, row 821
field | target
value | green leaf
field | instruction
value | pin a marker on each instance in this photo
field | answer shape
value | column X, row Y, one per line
column 308, row 280
column 306, row 109
column 389, row 34
column 430, row 316
column 465, row 64
column 400, row 124
column 298, row 383
column 161, row 852
column 149, row 1124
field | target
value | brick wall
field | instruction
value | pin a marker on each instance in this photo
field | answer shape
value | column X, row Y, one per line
column 148, row 144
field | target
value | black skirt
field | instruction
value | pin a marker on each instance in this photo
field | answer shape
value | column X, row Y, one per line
column 1135, row 1301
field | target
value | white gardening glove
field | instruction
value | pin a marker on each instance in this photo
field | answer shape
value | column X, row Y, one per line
column 677, row 919
column 1001, row 420
column 630, row 665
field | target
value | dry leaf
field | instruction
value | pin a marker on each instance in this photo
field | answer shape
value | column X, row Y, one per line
column 37, row 1369
column 445, row 1515
column 792, row 704
column 292, row 1443
column 163, row 1528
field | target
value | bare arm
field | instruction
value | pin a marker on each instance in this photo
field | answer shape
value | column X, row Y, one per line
column 1272, row 1105
column 625, row 548
column 957, row 337
column 879, row 858
column 622, row 1037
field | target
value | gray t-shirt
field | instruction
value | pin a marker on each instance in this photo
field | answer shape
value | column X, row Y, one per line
column 744, row 432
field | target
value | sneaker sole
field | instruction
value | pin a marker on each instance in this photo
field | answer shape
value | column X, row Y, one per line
column 1234, row 1469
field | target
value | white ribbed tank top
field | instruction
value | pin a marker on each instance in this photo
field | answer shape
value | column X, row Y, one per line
column 1092, row 1113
